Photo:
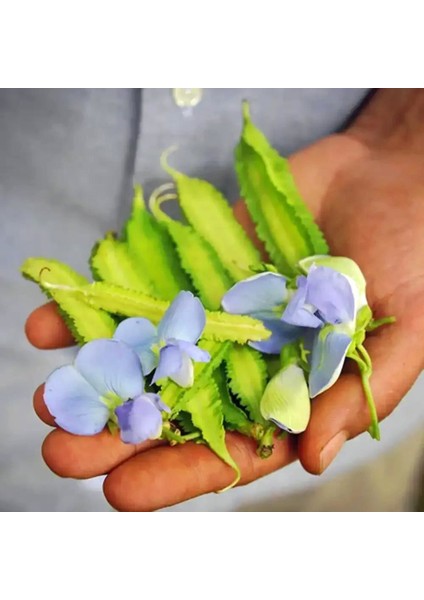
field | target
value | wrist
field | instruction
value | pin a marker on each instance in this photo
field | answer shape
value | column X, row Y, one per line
column 393, row 119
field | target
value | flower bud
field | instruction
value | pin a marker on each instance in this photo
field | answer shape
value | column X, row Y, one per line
column 286, row 400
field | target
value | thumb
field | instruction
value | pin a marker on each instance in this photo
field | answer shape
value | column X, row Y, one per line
column 342, row 413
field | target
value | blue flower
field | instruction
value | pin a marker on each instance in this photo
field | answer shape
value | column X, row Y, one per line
column 172, row 346
column 327, row 301
column 104, row 383
column 140, row 419
column 263, row 297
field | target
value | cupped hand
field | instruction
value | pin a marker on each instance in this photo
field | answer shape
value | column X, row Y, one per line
column 367, row 198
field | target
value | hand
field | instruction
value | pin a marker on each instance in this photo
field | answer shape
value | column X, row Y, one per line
column 366, row 193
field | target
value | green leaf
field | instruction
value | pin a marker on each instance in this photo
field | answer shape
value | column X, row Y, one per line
column 55, row 278
column 152, row 250
column 247, row 376
column 283, row 221
column 197, row 257
column 205, row 408
column 210, row 215
column 111, row 262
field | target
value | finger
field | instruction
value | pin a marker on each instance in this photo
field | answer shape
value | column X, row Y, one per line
column 342, row 413
column 40, row 407
column 45, row 328
column 82, row 457
column 165, row 476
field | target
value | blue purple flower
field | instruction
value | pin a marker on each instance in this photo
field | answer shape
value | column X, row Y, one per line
column 325, row 301
column 321, row 311
column 171, row 347
column 104, row 383
column 263, row 297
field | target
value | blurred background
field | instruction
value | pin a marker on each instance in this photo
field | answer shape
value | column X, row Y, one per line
column 68, row 159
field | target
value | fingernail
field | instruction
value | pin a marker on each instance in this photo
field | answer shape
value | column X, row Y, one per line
column 331, row 450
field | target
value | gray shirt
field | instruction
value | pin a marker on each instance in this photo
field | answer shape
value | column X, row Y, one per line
column 68, row 160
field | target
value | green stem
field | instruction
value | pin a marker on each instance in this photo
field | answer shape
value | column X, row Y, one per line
column 256, row 431
column 176, row 438
column 266, row 444
column 374, row 429
column 365, row 370
column 379, row 322
column 365, row 356
column 252, row 430
column 190, row 436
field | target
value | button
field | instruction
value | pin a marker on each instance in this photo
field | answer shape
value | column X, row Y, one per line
column 187, row 97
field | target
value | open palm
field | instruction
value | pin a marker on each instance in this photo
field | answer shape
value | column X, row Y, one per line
column 368, row 201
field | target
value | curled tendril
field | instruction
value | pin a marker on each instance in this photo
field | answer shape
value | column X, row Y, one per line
column 163, row 193
column 42, row 271
column 164, row 158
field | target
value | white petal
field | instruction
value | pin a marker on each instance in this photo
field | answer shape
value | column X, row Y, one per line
column 286, row 400
column 328, row 356
column 185, row 376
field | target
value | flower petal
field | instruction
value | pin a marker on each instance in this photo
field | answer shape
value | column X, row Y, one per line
column 281, row 334
column 192, row 350
column 157, row 401
column 111, row 367
column 74, row 403
column 331, row 294
column 345, row 266
column 185, row 375
column 258, row 293
column 297, row 311
column 148, row 359
column 286, row 400
column 328, row 356
column 139, row 420
column 140, row 334
column 170, row 362
column 136, row 331
column 185, row 319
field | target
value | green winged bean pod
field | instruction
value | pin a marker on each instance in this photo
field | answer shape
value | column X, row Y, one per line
column 111, row 262
column 86, row 323
column 153, row 252
column 197, row 198
column 283, row 221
